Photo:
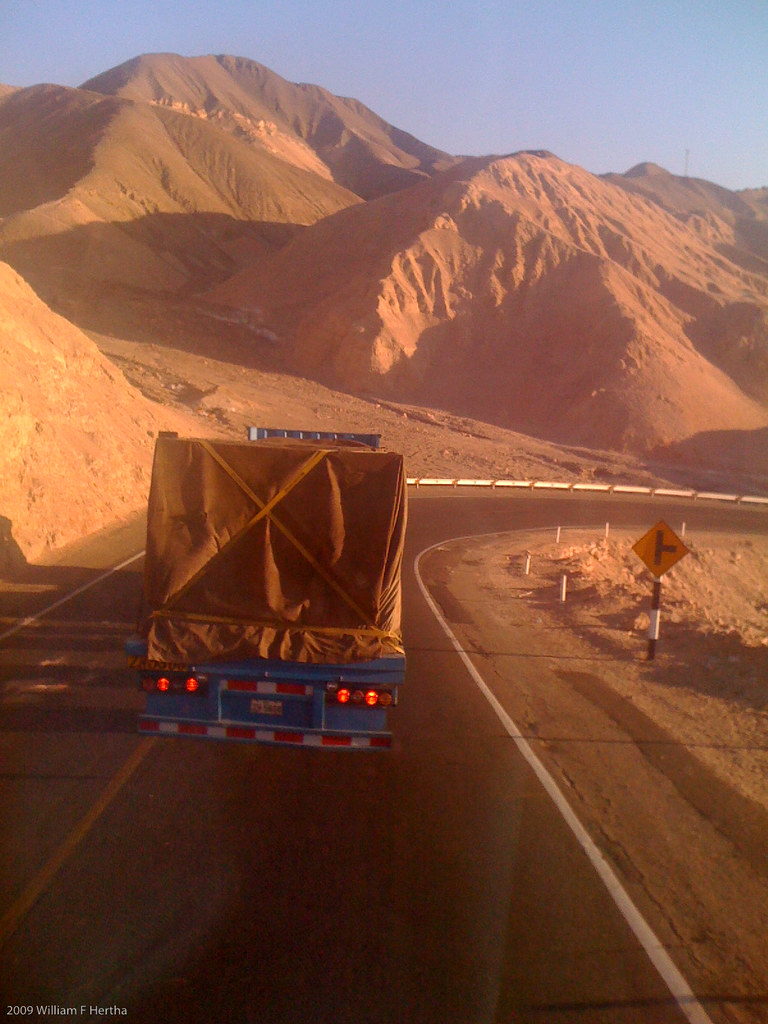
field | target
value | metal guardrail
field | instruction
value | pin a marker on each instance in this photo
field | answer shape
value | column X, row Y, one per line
column 554, row 485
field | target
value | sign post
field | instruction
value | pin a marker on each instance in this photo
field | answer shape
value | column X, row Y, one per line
column 659, row 549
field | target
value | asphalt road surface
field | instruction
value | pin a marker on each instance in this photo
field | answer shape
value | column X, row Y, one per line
column 184, row 880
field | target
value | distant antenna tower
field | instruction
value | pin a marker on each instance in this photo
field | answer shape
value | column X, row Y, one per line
column 687, row 154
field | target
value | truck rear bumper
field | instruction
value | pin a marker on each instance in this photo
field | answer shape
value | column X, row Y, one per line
column 255, row 734
column 260, row 701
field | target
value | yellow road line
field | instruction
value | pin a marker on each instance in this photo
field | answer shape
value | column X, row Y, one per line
column 18, row 911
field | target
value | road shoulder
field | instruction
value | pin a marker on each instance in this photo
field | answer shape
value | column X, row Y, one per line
column 641, row 768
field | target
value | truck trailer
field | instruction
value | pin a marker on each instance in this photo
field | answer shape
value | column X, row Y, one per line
column 272, row 590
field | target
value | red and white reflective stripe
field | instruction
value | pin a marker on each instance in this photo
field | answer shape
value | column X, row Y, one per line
column 247, row 732
column 260, row 686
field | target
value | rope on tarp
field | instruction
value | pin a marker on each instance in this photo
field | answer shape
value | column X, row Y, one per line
column 386, row 636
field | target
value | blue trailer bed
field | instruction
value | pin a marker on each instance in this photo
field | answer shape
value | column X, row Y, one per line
column 266, row 701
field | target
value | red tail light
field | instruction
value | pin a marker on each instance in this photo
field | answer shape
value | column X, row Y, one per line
column 197, row 684
column 360, row 698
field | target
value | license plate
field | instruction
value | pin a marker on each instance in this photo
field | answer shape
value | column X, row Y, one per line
column 266, row 707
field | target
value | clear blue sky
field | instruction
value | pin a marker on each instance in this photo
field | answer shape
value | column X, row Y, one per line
column 602, row 83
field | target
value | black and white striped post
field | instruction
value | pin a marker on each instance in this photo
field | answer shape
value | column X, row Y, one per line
column 653, row 629
column 659, row 549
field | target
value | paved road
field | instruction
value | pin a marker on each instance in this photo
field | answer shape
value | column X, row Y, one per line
column 192, row 881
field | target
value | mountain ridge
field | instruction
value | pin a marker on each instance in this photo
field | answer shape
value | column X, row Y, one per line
column 189, row 211
column 92, row 214
column 513, row 249
column 362, row 151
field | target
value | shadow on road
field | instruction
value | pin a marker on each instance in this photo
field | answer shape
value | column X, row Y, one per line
column 62, row 662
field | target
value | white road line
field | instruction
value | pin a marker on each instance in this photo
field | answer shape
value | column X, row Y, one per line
column 68, row 597
column 674, row 980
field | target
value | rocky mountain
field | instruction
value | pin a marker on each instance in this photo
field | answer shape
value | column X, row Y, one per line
column 205, row 212
column 746, row 212
column 535, row 295
column 303, row 124
column 99, row 190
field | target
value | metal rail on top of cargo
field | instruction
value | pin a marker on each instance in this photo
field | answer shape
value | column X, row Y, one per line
column 263, row 433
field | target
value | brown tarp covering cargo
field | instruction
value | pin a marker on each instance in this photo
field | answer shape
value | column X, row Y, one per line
column 274, row 549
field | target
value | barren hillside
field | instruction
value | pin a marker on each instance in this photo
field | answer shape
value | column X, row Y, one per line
column 694, row 201
column 202, row 219
column 100, row 190
column 533, row 294
column 76, row 440
column 304, row 124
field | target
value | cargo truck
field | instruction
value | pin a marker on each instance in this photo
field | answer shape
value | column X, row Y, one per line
column 272, row 590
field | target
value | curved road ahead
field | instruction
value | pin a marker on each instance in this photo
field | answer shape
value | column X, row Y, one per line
column 189, row 881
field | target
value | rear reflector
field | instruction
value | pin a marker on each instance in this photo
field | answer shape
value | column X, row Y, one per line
column 267, row 687
column 289, row 737
column 192, row 729
column 298, row 689
column 167, row 727
column 234, row 732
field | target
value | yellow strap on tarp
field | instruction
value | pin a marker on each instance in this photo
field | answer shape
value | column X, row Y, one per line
column 266, row 510
column 308, row 466
column 219, row 620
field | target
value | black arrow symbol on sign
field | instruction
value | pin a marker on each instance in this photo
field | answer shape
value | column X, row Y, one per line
column 661, row 547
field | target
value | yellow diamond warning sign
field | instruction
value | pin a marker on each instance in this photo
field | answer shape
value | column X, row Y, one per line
column 660, row 548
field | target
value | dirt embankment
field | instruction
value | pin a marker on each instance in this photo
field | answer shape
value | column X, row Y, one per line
column 707, row 683
column 76, row 440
